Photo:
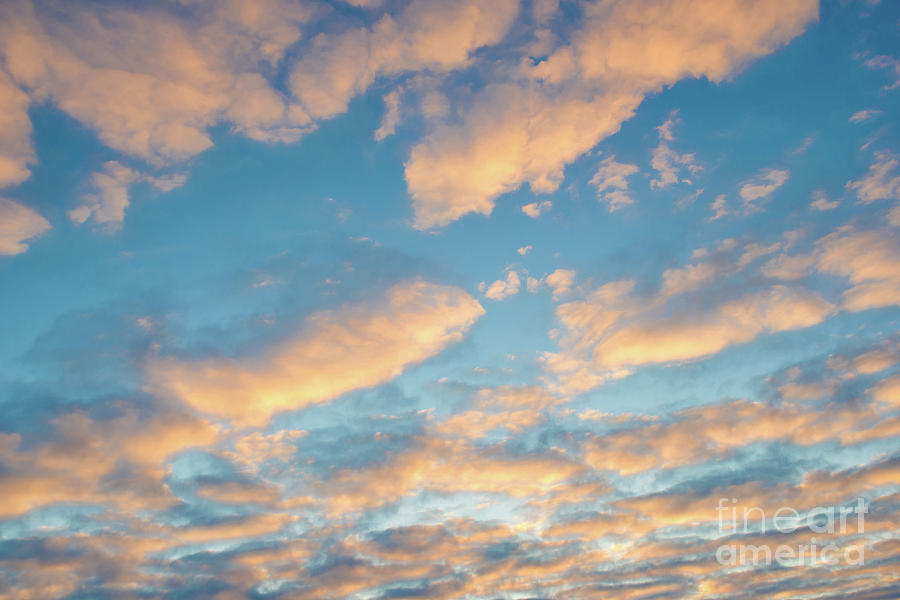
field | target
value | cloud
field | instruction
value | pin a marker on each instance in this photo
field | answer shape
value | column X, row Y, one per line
column 524, row 250
column 510, row 135
column 669, row 163
column 391, row 117
column 447, row 465
column 887, row 391
column 688, row 337
column 535, row 209
column 613, row 330
column 821, row 201
column 503, row 288
column 719, row 207
column 84, row 461
column 894, row 216
column 870, row 260
column 425, row 36
column 106, row 206
column 338, row 350
column 887, row 63
column 152, row 82
column 611, row 181
column 712, row 432
column 526, row 130
column 789, row 267
column 18, row 225
column 706, row 306
column 560, row 282
column 864, row 115
column 16, row 149
column 881, row 182
column 763, row 184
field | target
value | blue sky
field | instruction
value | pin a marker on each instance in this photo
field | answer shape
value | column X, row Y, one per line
column 381, row 298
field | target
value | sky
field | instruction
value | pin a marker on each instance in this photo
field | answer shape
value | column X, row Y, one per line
column 470, row 299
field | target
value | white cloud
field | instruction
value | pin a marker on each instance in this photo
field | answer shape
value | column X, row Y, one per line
column 763, row 184
column 881, row 182
column 18, row 225
column 535, row 209
column 524, row 250
column 611, row 181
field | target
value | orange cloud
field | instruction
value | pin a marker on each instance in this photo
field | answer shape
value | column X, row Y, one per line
column 613, row 331
column 18, row 225
column 16, row 149
column 336, row 352
column 430, row 35
column 83, row 453
column 527, row 129
column 151, row 83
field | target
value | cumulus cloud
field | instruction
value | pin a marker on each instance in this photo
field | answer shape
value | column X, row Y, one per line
column 560, row 282
column 107, row 204
column 156, row 95
column 338, row 351
column 503, row 288
column 611, row 181
column 18, row 225
column 151, row 81
column 528, row 129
